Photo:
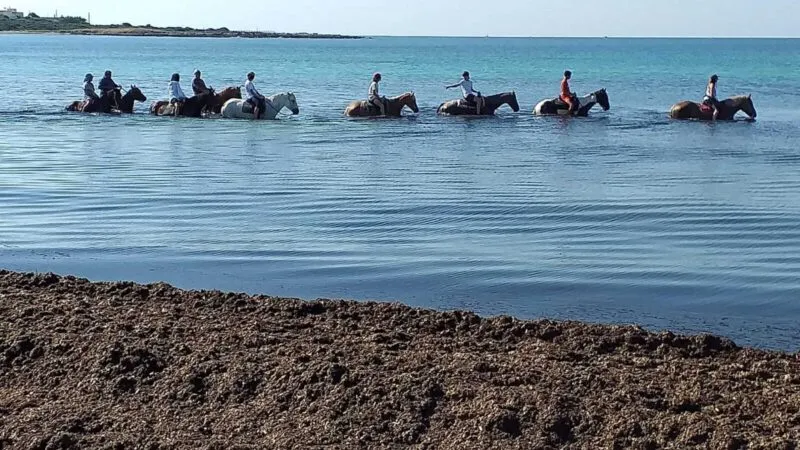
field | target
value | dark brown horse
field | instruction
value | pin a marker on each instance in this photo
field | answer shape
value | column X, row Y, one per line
column 492, row 103
column 394, row 106
column 223, row 96
column 727, row 109
column 108, row 104
column 192, row 107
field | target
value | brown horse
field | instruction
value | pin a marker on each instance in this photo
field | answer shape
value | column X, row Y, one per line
column 192, row 107
column 727, row 109
column 123, row 103
column 223, row 96
column 394, row 106
column 492, row 103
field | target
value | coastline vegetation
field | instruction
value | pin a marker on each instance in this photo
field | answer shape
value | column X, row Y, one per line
column 33, row 23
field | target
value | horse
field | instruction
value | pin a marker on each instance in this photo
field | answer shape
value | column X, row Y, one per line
column 239, row 109
column 394, row 106
column 491, row 104
column 192, row 107
column 727, row 109
column 223, row 96
column 557, row 107
column 124, row 103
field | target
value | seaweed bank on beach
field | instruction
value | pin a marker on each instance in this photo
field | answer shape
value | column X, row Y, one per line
column 118, row 365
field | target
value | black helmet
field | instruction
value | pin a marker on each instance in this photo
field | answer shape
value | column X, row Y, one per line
column 377, row 76
column 251, row 75
column 567, row 73
column 715, row 78
column 176, row 77
column 465, row 74
column 108, row 73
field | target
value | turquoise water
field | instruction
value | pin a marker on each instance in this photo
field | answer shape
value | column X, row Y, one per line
column 624, row 217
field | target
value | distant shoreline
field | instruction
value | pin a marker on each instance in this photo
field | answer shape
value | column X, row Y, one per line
column 156, row 32
column 34, row 24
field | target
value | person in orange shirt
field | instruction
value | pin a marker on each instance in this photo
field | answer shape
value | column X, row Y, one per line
column 566, row 94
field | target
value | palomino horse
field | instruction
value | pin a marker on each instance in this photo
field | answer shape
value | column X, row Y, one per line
column 223, row 96
column 492, row 103
column 557, row 107
column 192, row 107
column 240, row 109
column 125, row 103
column 394, row 106
column 727, row 109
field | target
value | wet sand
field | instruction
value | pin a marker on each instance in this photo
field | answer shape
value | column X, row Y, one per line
column 120, row 365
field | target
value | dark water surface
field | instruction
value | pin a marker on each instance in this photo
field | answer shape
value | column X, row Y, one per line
column 625, row 217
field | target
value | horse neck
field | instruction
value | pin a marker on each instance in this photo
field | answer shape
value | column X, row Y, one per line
column 279, row 101
column 126, row 102
column 590, row 99
column 736, row 103
column 498, row 100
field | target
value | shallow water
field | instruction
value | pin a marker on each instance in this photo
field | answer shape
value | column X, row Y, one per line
column 625, row 217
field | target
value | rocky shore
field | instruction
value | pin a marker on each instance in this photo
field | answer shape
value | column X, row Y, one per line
column 120, row 365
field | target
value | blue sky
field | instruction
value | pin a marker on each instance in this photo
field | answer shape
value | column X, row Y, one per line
column 725, row 18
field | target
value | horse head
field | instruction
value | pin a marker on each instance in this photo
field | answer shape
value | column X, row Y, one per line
column 292, row 103
column 410, row 100
column 136, row 93
column 748, row 107
column 512, row 102
column 602, row 99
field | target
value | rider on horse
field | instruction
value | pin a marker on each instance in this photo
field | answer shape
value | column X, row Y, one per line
column 176, row 95
column 254, row 97
column 108, row 87
column 710, row 98
column 89, row 94
column 566, row 95
column 374, row 97
column 472, row 96
column 198, row 85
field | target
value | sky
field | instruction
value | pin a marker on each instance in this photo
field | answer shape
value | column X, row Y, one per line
column 640, row 18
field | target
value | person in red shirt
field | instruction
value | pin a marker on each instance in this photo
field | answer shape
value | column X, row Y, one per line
column 566, row 94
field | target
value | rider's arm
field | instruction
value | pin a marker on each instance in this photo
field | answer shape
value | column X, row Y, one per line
column 454, row 85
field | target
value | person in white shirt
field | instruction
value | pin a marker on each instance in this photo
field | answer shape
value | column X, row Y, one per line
column 472, row 96
column 254, row 97
column 710, row 98
column 374, row 97
column 176, row 95
column 89, row 94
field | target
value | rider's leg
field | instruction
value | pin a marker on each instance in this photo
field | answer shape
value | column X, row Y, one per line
column 570, row 103
column 479, row 103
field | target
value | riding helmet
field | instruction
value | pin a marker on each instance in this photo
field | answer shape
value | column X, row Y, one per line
column 176, row 77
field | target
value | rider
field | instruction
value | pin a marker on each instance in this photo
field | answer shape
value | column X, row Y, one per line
column 254, row 97
column 108, row 86
column 566, row 94
column 374, row 96
column 89, row 94
column 198, row 85
column 710, row 98
column 472, row 96
column 176, row 95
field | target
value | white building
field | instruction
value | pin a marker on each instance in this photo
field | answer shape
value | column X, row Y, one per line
column 11, row 13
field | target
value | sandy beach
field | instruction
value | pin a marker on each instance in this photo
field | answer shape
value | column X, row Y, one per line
column 121, row 365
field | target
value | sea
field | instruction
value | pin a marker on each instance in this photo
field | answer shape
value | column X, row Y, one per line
column 625, row 217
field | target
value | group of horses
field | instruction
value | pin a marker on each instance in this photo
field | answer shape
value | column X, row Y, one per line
column 229, row 104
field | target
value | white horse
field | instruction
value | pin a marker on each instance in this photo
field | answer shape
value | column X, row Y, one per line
column 235, row 108
column 556, row 107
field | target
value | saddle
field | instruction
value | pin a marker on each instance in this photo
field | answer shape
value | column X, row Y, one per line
column 705, row 108
column 371, row 108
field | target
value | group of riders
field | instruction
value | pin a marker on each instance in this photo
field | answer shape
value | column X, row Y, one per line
column 110, row 91
column 474, row 98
